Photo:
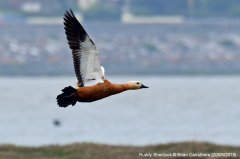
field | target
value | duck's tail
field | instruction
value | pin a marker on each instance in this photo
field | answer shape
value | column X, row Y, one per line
column 66, row 98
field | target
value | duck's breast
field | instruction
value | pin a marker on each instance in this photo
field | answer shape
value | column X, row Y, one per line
column 96, row 92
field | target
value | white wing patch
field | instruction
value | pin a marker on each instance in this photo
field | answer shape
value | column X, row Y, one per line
column 85, row 55
column 103, row 70
column 90, row 64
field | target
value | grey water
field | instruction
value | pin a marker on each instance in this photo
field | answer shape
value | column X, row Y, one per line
column 173, row 109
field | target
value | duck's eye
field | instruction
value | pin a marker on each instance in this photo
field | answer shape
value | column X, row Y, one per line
column 137, row 82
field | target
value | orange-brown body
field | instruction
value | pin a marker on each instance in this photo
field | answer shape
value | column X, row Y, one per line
column 99, row 91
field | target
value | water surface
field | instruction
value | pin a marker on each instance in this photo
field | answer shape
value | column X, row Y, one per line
column 173, row 109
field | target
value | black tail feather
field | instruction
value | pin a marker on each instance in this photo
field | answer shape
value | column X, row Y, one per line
column 65, row 99
column 68, row 89
column 74, row 102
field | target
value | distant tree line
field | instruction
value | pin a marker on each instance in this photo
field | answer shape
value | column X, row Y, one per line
column 106, row 9
column 112, row 9
column 198, row 8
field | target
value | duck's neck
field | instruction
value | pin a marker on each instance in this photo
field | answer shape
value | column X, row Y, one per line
column 118, row 88
column 126, row 86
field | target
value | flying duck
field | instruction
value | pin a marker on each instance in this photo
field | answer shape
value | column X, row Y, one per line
column 91, row 83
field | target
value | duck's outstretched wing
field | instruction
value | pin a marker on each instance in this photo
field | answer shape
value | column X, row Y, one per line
column 84, row 52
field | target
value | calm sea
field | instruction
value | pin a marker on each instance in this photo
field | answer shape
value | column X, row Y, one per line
column 173, row 109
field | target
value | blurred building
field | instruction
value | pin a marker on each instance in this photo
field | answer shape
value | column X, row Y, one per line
column 31, row 7
column 86, row 4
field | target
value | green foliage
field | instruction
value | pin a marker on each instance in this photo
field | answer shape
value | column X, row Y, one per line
column 103, row 11
column 199, row 8
column 227, row 43
column 182, row 45
column 111, row 10
column 233, row 11
column 150, row 47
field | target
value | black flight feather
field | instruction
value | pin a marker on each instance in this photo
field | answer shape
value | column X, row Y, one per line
column 75, row 35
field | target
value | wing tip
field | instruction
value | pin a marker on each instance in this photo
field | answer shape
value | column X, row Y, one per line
column 69, row 13
column 72, row 13
column 70, row 19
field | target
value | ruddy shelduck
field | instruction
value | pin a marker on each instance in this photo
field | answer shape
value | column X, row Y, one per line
column 91, row 84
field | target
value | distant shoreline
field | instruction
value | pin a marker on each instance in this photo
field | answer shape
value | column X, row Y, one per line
column 183, row 49
column 161, row 68
column 100, row 151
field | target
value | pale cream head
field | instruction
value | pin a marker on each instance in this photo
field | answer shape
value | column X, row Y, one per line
column 135, row 85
